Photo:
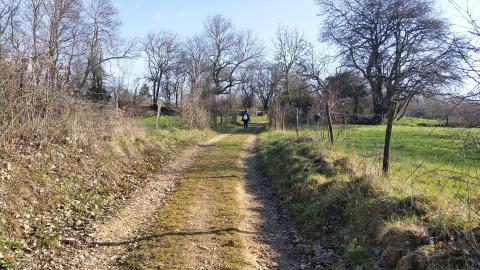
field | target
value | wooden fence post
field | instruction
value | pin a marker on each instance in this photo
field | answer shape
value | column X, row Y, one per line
column 159, row 109
column 297, row 120
column 329, row 121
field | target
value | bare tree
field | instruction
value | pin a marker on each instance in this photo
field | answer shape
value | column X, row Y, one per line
column 469, row 49
column 62, row 17
column 266, row 82
column 161, row 50
column 195, row 58
column 314, row 71
column 178, row 81
column 248, row 89
column 290, row 50
column 400, row 47
column 103, row 44
column 35, row 14
column 9, row 10
column 229, row 53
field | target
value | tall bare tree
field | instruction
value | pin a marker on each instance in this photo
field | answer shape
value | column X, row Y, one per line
column 313, row 69
column 62, row 17
column 161, row 49
column 230, row 51
column 266, row 80
column 35, row 14
column 469, row 48
column 9, row 10
column 178, row 80
column 195, row 59
column 401, row 47
column 290, row 50
column 102, row 45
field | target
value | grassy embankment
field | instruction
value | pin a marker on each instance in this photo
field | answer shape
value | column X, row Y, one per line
column 51, row 191
column 418, row 215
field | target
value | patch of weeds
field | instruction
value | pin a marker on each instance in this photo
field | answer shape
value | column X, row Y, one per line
column 7, row 249
column 356, row 254
column 134, row 262
column 6, row 264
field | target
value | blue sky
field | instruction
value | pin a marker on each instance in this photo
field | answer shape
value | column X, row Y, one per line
column 186, row 17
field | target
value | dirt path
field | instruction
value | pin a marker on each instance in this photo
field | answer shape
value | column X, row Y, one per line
column 135, row 216
column 269, row 246
column 222, row 216
column 210, row 209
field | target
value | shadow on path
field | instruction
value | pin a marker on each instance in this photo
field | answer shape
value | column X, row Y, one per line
column 210, row 177
column 162, row 235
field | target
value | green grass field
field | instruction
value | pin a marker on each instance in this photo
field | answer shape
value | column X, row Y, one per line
column 434, row 160
column 434, row 145
column 340, row 193
column 166, row 122
column 170, row 133
column 422, row 152
column 419, row 122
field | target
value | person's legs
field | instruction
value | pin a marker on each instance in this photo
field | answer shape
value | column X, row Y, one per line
column 245, row 125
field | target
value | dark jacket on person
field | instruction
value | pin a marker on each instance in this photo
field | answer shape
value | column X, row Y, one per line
column 248, row 117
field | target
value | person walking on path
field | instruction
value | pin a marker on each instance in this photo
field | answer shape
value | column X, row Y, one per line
column 245, row 119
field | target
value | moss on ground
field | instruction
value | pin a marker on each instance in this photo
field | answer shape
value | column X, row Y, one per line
column 200, row 217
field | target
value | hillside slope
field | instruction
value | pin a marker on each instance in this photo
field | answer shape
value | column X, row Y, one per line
column 51, row 191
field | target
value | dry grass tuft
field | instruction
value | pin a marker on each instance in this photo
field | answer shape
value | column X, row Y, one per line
column 397, row 242
column 194, row 115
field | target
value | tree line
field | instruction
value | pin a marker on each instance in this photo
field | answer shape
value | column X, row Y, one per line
column 54, row 60
column 62, row 42
column 388, row 55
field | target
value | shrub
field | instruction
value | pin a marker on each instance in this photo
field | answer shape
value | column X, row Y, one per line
column 194, row 115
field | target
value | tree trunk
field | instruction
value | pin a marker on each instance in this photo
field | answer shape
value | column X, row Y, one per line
column 379, row 108
column 181, row 96
column 356, row 101
column 154, row 94
column 157, row 94
column 388, row 136
column 329, row 121
column 176, row 98
column 116, row 99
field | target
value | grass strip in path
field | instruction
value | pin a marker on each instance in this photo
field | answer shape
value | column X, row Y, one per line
column 221, row 216
column 199, row 225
